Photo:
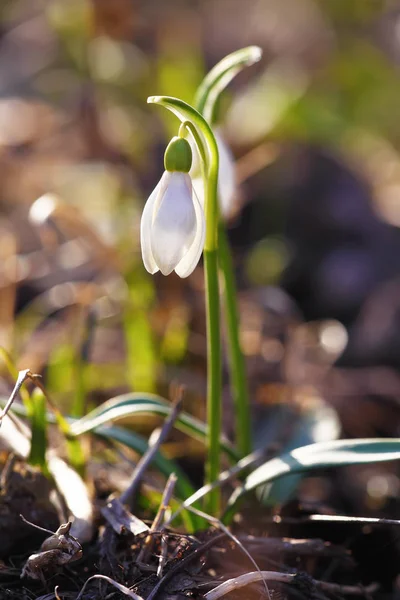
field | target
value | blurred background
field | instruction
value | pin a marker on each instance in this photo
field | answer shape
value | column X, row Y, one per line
column 315, row 132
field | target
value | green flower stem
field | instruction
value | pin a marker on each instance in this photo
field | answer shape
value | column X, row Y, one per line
column 239, row 386
column 213, row 375
column 208, row 150
column 214, row 365
column 206, row 100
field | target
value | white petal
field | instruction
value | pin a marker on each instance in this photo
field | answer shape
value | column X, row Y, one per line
column 145, row 230
column 198, row 186
column 174, row 222
column 190, row 260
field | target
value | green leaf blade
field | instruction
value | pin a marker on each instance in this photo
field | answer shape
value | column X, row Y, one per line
column 319, row 456
column 37, row 455
column 129, row 405
column 220, row 77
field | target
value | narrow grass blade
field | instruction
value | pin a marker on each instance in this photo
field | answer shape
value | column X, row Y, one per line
column 37, row 455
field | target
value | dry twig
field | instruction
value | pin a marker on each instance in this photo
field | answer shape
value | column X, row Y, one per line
column 22, row 377
column 159, row 518
column 119, row 586
column 217, row 523
column 163, row 556
column 120, row 519
column 300, row 547
column 182, row 564
column 129, row 495
column 248, row 578
column 224, row 477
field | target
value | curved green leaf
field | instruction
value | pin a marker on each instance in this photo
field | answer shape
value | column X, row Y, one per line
column 133, row 404
column 130, row 404
column 319, row 456
column 220, row 76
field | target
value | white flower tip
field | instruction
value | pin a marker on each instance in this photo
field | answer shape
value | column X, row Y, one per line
column 151, row 269
column 172, row 227
column 42, row 208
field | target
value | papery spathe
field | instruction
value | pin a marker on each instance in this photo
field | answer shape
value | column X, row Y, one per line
column 172, row 229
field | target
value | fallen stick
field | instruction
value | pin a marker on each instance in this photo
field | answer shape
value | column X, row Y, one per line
column 128, row 496
column 248, row 578
column 158, row 519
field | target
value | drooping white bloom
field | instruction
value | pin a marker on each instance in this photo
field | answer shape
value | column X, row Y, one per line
column 226, row 176
column 172, row 228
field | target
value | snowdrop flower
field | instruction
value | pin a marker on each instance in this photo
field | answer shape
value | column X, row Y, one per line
column 172, row 228
column 226, row 177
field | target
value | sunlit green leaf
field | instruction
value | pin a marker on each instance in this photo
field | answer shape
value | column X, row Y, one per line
column 38, row 419
column 220, row 76
column 134, row 404
column 319, row 456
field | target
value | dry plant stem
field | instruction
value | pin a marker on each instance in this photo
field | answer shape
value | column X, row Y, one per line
column 333, row 519
column 37, row 380
column 236, row 583
column 299, row 547
column 343, row 519
column 22, row 377
column 224, row 477
column 13, row 371
column 36, row 526
column 119, row 587
column 56, row 594
column 166, row 498
column 120, row 519
column 217, row 523
column 159, row 518
column 182, row 564
column 128, row 496
column 76, row 496
column 163, row 556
